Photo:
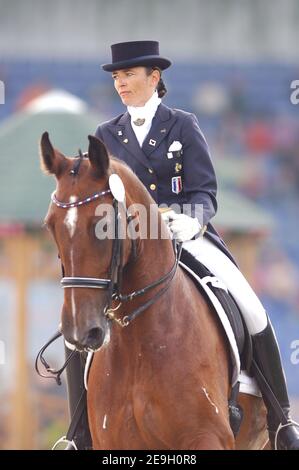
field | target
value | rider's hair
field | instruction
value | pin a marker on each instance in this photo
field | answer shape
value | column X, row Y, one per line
column 161, row 88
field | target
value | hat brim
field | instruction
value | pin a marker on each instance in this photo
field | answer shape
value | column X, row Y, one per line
column 147, row 61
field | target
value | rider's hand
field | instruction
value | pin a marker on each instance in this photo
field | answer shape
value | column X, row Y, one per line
column 183, row 227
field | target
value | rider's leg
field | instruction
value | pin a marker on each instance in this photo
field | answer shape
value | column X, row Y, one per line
column 265, row 347
column 75, row 387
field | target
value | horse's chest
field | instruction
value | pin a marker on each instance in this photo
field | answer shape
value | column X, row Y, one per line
column 118, row 428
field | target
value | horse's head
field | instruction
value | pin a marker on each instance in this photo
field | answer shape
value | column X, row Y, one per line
column 89, row 261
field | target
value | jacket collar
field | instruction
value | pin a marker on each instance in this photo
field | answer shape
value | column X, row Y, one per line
column 161, row 125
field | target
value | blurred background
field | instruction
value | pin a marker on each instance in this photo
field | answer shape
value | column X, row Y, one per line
column 233, row 66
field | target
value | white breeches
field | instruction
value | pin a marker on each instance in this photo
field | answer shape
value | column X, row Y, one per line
column 222, row 267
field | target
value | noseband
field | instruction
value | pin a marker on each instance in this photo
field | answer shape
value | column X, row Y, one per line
column 114, row 282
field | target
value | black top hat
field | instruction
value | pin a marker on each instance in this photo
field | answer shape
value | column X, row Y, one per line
column 136, row 53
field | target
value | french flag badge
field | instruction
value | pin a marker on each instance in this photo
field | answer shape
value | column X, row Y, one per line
column 176, row 184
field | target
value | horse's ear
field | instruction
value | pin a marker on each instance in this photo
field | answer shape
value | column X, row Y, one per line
column 98, row 156
column 52, row 161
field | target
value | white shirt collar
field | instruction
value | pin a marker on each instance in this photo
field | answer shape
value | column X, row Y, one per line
column 147, row 111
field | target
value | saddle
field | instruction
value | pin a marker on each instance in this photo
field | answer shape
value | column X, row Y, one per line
column 230, row 307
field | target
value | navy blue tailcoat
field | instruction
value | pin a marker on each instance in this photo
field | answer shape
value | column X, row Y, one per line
column 180, row 177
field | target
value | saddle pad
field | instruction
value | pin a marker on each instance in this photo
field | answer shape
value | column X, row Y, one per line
column 248, row 384
column 235, row 357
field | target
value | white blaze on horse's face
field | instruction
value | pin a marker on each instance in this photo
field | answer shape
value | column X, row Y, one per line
column 70, row 221
column 73, row 300
column 71, row 217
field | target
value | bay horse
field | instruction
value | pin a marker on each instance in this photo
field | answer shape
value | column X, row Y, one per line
column 160, row 376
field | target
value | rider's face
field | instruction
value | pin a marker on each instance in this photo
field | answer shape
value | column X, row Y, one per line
column 134, row 86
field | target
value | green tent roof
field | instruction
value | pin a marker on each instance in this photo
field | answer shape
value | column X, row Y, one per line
column 24, row 189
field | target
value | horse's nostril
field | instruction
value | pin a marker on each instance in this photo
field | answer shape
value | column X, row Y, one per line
column 94, row 338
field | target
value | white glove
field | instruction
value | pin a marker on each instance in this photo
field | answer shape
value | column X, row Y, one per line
column 183, row 227
column 167, row 216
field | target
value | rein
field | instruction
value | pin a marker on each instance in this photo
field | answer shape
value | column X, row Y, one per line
column 114, row 282
column 127, row 319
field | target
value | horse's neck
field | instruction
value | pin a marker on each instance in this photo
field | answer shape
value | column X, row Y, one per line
column 156, row 259
column 156, row 254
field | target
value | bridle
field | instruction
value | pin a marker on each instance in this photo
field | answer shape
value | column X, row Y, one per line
column 113, row 283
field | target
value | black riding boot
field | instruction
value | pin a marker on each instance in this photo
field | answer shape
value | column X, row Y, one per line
column 75, row 387
column 267, row 356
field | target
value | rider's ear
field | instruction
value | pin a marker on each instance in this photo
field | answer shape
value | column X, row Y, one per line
column 52, row 161
column 98, row 156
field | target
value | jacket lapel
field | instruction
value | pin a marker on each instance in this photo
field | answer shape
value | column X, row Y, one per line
column 125, row 135
column 161, row 125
